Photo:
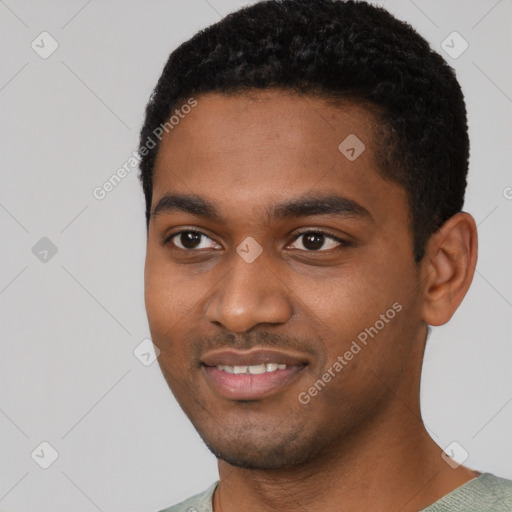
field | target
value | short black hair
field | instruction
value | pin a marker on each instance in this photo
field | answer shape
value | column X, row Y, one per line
column 336, row 50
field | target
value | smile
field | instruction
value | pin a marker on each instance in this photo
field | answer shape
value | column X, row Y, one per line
column 251, row 374
column 255, row 369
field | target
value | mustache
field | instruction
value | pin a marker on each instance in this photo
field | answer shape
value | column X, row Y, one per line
column 261, row 339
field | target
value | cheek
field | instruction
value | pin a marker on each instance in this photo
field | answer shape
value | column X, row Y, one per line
column 166, row 284
column 347, row 297
column 166, row 296
column 167, row 306
column 156, row 295
column 173, row 307
column 361, row 311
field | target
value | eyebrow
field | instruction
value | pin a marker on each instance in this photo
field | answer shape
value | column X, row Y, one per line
column 303, row 206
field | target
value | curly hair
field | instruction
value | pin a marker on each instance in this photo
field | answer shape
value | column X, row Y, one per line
column 338, row 50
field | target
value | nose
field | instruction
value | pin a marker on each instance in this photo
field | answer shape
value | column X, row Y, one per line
column 250, row 294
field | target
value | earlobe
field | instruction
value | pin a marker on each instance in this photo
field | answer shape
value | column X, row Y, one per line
column 448, row 268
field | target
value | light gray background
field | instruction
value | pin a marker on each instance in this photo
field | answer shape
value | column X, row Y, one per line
column 69, row 326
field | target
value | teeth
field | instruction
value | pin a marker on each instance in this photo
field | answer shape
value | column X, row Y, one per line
column 254, row 369
column 257, row 369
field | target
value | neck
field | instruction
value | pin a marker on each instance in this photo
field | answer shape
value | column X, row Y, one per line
column 392, row 465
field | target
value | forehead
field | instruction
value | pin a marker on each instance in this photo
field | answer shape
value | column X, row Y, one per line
column 255, row 123
column 266, row 146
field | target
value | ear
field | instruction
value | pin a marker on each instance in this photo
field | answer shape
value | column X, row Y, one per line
column 448, row 267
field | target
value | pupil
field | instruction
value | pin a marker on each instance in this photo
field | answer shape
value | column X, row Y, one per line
column 314, row 241
column 190, row 239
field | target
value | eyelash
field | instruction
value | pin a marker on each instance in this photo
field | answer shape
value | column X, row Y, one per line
column 343, row 243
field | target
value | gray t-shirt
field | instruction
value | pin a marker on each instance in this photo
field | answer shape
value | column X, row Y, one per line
column 485, row 493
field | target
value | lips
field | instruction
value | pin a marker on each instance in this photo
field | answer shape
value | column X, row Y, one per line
column 253, row 357
column 250, row 375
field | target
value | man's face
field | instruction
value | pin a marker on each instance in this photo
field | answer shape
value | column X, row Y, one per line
column 253, row 287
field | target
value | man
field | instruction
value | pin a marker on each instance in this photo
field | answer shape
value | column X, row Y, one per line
column 304, row 165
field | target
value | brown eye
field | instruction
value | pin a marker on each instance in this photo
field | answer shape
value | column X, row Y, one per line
column 190, row 240
column 319, row 241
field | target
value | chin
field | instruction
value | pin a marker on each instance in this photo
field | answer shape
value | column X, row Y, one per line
column 258, row 459
column 263, row 451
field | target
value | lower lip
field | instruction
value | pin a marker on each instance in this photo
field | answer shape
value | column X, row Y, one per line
column 245, row 386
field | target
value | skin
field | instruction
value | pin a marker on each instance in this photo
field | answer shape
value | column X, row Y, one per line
column 360, row 442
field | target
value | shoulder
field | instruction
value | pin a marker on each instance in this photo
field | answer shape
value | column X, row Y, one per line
column 201, row 502
column 484, row 493
column 500, row 488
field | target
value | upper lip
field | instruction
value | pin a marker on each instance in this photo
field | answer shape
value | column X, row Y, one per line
column 233, row 357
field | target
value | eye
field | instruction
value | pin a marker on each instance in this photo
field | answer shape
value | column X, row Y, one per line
column 190, row 240
column 315, row 240
column 312, row 240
